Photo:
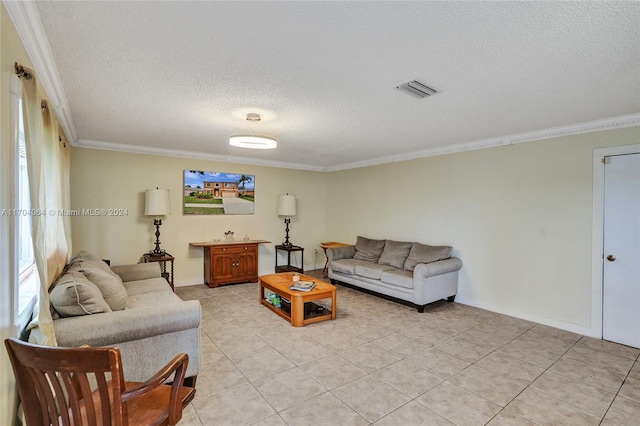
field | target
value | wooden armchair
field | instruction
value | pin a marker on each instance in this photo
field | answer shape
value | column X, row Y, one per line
column 85, row 386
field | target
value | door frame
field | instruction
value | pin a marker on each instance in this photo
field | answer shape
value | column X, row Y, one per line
column 597, row 234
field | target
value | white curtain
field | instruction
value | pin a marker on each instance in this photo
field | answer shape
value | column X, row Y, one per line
column 48, row 160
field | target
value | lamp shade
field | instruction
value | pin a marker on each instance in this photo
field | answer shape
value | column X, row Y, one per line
column 156, row 202
column 287, row 205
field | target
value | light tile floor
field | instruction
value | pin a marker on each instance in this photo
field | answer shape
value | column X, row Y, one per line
column 384, row 363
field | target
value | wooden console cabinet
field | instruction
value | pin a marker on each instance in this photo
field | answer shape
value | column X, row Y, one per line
column 230, row 262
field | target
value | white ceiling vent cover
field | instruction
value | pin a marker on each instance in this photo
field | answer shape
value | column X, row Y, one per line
column 415, row 88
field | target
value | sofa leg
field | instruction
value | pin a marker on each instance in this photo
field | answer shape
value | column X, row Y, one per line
column 190, row 381
column 334, row 282
column 450, row 299
column 421, row 309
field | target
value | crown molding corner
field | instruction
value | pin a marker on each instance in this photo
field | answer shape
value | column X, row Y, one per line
column 26, row 19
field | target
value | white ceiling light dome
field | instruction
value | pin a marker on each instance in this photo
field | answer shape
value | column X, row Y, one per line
column 253, row 142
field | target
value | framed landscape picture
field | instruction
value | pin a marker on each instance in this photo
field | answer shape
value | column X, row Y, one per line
column 216, row 193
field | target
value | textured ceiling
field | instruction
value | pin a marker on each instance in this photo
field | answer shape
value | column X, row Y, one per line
column 183, row 75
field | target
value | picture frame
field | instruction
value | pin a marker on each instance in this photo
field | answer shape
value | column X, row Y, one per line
column 218, row 193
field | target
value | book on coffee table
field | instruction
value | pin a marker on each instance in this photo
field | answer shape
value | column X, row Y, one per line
column 303, row 285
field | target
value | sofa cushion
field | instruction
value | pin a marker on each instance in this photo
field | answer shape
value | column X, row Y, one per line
column 85, row 256
column 74, row 295
column 347, row 266
column 372, row 270
column 368, row 249
column 109, row 283
column 395, row 253
column 154, row 298
column 422, row 253
column 398, row 277
column 146, row 286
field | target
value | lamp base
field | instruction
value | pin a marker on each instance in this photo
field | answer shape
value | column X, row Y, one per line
column 286, row 243
column 157, row 253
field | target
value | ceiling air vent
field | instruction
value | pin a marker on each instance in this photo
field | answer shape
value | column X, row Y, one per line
column 416, row 88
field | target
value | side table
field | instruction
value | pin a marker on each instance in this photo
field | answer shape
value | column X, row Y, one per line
column 163, row 259
column 288, row 267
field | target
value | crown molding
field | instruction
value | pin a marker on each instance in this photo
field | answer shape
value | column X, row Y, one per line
column 26, row 19
column 137, row 149
column 630, row 120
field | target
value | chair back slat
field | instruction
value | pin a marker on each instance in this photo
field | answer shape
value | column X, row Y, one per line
column 105, row 395
column 71, row 391
column 42, row 388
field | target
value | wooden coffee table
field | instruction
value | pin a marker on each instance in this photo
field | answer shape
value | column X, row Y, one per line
column 279, row 284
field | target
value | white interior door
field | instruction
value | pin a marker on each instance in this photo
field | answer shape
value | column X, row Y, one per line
column 621, row 268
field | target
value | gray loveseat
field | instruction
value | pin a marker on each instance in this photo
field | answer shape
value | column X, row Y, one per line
column 409, row 271
column 131, row 307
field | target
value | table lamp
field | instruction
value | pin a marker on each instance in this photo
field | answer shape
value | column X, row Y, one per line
column 287, row 208
column 157, row 204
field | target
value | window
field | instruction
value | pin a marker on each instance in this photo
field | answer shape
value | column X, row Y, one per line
column 28, row 280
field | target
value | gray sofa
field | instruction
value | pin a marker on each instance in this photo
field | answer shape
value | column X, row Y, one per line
column 409, row 271
column 131, row 307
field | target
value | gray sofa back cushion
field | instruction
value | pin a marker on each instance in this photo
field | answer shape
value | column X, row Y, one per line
column 85, row 256
column 108, row 282
column 422, row 253
column 368, row 249
column 395, row 253
column 74, row 295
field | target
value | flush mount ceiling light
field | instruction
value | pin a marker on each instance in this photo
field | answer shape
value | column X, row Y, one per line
column 253, row 142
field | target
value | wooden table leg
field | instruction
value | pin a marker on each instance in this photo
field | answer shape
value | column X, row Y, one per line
column 334, row 306
column 297, row 312
column 326, row 262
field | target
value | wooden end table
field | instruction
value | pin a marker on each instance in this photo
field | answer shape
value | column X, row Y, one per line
column 325, row 246
column 279, row 284
column 288, row 267
column 164, row 259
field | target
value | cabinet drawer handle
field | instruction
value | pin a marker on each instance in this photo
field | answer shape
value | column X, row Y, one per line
column 246, row 248
column 224, row 249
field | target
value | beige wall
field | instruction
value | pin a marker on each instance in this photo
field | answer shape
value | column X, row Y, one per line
column 492, row 206
column 108, row 179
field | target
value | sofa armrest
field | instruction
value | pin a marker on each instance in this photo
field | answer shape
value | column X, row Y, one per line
column 111, row 328
column 138, row 271
column 342, row 252
column 425, row 270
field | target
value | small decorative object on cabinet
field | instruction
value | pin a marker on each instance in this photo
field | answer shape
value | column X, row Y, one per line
column 230, row 262
column 288, row 267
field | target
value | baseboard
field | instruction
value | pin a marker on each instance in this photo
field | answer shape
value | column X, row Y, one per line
column 187, row 283
column 585, row 331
